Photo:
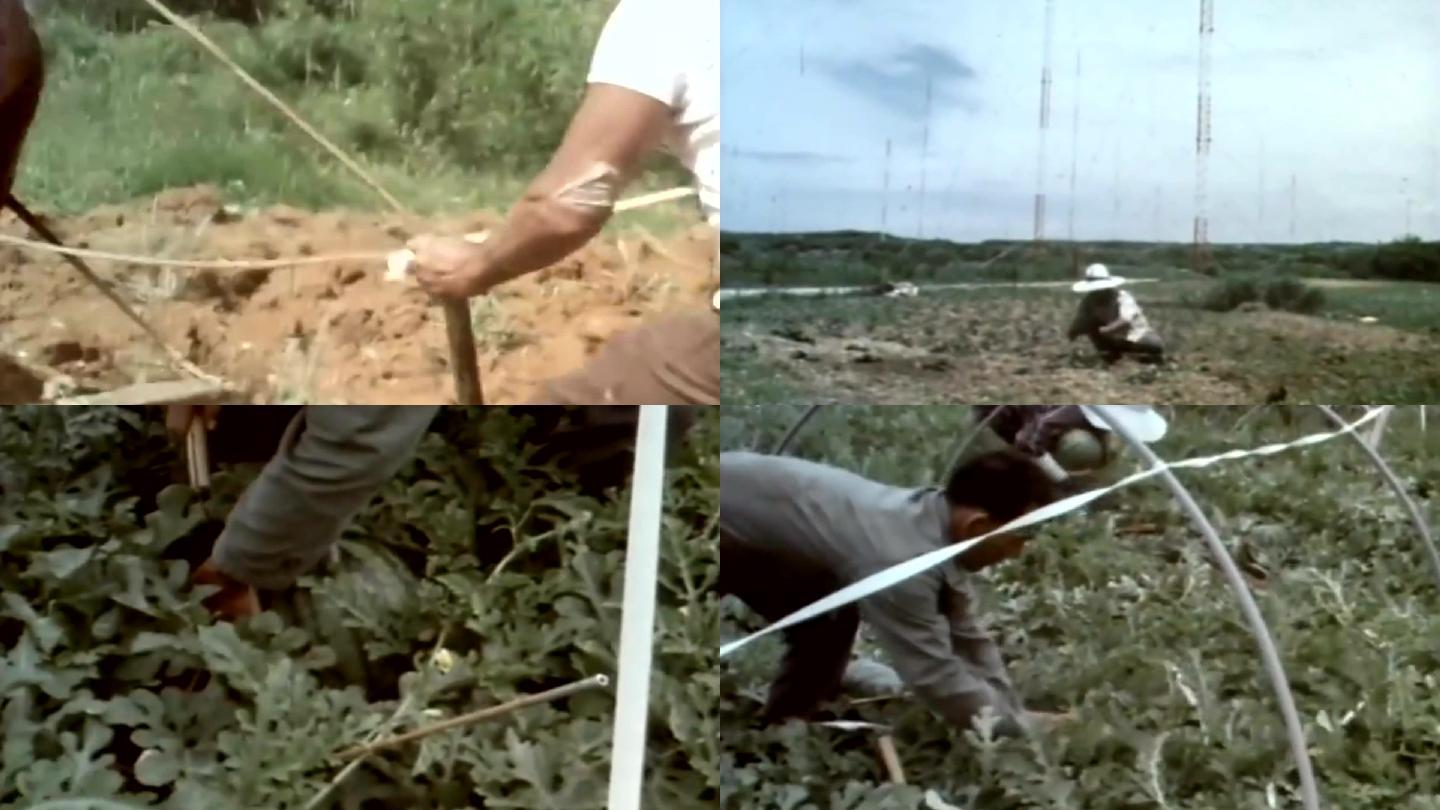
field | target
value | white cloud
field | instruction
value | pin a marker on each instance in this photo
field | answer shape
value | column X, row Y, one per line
column 1338, row 95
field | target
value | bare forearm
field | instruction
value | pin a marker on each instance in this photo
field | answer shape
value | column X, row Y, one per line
column 539, row 232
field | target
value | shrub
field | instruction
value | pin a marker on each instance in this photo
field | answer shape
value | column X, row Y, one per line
column 1229, row 294
column 1408, row 259
column 1288, row 294
column 455, row 88
column 1293, row 295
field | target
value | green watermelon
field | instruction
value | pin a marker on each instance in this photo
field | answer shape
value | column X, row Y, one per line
column 1079, row 449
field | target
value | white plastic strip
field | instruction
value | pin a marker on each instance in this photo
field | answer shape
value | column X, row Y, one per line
column 637, row 623
column 888, row 577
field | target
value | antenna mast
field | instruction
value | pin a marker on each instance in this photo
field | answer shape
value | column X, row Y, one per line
column 1201, row 249
column 1074, row 150
column 1045, row 85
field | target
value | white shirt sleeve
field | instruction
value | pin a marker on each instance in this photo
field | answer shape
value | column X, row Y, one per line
column 1129, row 308
column 636, row 50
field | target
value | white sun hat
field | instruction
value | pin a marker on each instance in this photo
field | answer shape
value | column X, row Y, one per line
column 1097, row 277
column 1144, row 421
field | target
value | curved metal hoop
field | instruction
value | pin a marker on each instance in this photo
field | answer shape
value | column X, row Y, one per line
column 1422, row 525
column 794, row 430
column 954, row 456
column 1269, row 655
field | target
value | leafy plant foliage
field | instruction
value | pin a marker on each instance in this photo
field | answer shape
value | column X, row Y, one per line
column 1120, row 615
column 116, row 685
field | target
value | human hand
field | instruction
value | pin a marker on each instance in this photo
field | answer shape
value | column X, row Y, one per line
column 1042, row 428
column 234, row 601
column 449, row 267
column 178, row 418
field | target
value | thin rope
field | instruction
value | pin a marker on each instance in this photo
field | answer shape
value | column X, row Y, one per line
column 215, row 264
column 642, row 201
column 337, row 152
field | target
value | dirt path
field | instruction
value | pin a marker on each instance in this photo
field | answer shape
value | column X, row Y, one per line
column 329, row 333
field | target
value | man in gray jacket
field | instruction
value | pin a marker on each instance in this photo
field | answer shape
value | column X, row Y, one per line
column 793, row 531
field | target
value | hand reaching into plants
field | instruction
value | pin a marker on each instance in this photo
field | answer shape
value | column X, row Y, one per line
column 234, row 601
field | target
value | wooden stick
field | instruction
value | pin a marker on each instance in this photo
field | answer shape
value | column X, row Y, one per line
column 197, row 455
column 490, row 713
column 176, row 358
column 891, row 758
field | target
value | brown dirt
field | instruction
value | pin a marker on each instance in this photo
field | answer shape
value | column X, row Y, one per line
column 18, row 385
column 991, row 347
column 331, row 333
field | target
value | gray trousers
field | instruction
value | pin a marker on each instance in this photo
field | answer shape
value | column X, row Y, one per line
column 331, row 462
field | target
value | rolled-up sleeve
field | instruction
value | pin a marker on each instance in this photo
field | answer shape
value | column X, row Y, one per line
column 911, row 627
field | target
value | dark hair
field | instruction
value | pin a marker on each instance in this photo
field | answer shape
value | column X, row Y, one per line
column 1004, row 483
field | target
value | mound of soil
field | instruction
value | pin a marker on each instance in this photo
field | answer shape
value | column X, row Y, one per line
column 328, row 333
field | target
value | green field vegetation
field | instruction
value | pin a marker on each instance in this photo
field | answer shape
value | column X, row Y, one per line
column 1119, row 614
column 115, row 684
column 452, row 105
column 849, row 258
column 1004, row 343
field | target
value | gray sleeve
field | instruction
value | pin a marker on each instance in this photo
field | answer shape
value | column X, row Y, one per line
column 970, row 641
column 908, row 623
column 331, row 462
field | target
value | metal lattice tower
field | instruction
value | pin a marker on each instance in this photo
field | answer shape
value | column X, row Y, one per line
column 1074, row 152
column 1261, row 197
column 1405, row 192
column 1295, row 203
column 885, row 198
column 1045, row 85
column 1201, row 249
column 925, row 154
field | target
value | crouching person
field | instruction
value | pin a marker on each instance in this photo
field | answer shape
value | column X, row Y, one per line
column 793, row 531
column 1112, row 320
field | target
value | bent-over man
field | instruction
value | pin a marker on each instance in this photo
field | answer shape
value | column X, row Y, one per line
column 793, row 531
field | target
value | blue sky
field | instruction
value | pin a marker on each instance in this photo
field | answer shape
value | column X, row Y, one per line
column 1339, row 96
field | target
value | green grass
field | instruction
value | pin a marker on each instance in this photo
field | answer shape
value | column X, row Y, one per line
column 407, row 89
column 1403, row 305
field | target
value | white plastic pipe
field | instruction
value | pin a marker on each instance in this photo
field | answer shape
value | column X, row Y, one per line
column 1378, row 431
column 637, row 624
column 1417, row 516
